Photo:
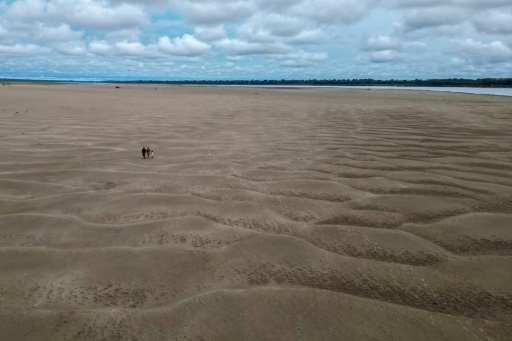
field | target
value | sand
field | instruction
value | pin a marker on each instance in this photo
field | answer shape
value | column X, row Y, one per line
column 290, row 214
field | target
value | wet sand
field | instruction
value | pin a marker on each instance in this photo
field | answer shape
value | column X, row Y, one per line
column 291, row 214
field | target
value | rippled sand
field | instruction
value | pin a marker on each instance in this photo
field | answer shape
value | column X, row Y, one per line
column 290, row 214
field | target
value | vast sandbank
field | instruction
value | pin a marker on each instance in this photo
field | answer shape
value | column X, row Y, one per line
column 290, row 214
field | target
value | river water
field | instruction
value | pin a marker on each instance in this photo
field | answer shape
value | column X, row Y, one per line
column 475, row 91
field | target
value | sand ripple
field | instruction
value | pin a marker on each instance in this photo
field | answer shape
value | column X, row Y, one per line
column 266, row 214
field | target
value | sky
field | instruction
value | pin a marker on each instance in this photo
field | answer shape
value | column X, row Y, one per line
column 255, row 39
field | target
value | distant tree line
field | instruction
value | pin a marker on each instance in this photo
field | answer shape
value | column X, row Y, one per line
column 447, row 82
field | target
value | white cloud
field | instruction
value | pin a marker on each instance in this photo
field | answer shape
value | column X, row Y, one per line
column 279, row 28
column 61, row 33
column 71, row 48
column 386, row 56
column 479, row 52
column 415, row 46
column 272, row 37
column 315, row 36
column 301, row 59
column 130, row 49
column 100, row 47
column 381, row 43
column 255, row 34
column 26, row 11
column 97, row 16
column 182, row 46
column 129, row 35
column 235, row 58
column 387, row 49
column 23, row 49
column 87, row 14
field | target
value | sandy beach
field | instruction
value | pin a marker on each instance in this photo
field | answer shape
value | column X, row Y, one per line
column 266, row 214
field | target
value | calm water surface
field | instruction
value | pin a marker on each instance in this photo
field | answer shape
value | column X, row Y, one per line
column 476, row 91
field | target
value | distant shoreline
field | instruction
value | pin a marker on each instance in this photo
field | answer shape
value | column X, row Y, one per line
column 433, row 83
column 488, row 91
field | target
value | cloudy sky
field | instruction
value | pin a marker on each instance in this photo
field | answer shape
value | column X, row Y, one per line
column 255, row 39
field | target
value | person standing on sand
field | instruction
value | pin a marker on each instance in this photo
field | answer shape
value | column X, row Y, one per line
column 151, row 155
column 143, row 152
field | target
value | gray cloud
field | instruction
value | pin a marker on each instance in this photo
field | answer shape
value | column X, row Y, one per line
column 5, row 35
column 213, row 12
column 494, row 22
column 467, row 4
column 94, row 15
column 157, row 4
column 209, row 33
column 334, row 11
column 240, row 47
column 433, row 17
column 282, row 25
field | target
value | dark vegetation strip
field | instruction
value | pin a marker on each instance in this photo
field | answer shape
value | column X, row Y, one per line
column 448, row 82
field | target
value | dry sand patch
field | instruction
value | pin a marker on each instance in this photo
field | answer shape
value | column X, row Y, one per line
column 265, row 214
